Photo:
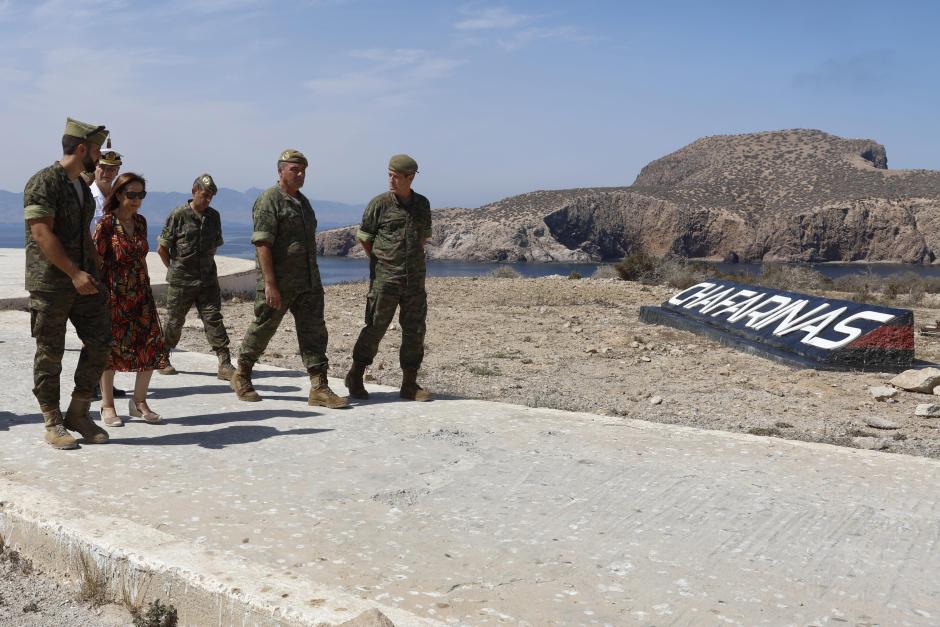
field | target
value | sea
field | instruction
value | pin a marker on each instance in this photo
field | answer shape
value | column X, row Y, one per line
column 342, row 269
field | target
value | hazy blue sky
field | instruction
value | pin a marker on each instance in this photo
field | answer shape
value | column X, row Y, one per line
column 492, row 99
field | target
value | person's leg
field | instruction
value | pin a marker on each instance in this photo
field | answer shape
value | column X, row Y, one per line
column 179, row 299
column 412, row 316
column 380, row 310
column 312, row 338
column 257, row 337
column 108, row 412
column 209, row 306
column 138, row 405
column 48, row 315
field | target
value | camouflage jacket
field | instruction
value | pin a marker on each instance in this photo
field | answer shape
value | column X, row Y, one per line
column 49, row 193
column 192, row 240
column 289, row 225
column 397, row 231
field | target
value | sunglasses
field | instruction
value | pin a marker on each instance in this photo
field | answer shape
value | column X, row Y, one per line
column 135, row 195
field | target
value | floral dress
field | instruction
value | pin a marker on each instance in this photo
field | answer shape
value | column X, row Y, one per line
column 138, row 341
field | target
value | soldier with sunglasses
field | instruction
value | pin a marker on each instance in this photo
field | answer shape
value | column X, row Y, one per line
column 62, row 280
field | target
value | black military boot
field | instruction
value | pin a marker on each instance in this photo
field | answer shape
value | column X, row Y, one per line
column 56, row 435
column 226, row 369
column 353, row 381
column 321, row 394
column 77, row 419
column 241, row 383
column 409, row 386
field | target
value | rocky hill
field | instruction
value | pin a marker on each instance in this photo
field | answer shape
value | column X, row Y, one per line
column 795, row 195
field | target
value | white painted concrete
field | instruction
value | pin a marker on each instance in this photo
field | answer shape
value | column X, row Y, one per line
column 471, row 512
column 235, row 275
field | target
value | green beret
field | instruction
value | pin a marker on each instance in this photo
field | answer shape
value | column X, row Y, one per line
column 88, row 132
column 204, row 181
column 293, row 156
column 403, row 164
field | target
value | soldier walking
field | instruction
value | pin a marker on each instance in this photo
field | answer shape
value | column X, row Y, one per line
column 187, row 245
column 288, row 279
column 395, row 227
column 61, row 277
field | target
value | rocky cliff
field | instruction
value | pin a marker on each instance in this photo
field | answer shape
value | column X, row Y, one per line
column 797, row 195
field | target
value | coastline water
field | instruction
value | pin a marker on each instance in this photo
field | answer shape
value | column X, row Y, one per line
column 341, row 269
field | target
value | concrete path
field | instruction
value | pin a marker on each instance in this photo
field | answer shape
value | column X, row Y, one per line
column 463, row 512
column 234, row 275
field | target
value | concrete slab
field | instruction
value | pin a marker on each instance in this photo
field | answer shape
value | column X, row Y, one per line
column 464, row 512
column 235, row 275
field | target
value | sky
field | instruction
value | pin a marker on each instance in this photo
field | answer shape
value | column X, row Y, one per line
column 491, row 98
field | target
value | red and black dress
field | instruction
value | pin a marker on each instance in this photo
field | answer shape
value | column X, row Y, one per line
column 135, row 326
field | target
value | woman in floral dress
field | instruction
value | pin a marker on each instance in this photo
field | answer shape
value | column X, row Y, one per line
column 121, row 240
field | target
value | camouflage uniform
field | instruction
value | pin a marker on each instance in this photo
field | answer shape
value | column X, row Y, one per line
column 289, row 225
column 192, row 240
column 53, row 299
column 397, row 271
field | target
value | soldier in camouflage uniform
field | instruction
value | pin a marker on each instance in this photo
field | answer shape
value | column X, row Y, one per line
column 288, row 278
column 61, row 277
column 187, row 246
column 394, row 229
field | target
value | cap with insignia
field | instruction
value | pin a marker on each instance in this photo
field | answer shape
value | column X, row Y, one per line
column 110, row 156
column 83, row 130
column 204, row 181
column 403, row 164
column 293, row 156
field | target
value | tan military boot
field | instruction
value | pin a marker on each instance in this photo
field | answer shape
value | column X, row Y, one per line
column 77, row 419
column 56, row 435
column 353, row 381
column 320, row 393
column 226, row 369
column 241, row 383
column 410, row 388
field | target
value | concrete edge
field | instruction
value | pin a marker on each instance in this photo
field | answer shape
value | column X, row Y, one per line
column 205, row 588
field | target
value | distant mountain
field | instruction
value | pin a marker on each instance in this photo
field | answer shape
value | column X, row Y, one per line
column 794, row 195
column 234, row 206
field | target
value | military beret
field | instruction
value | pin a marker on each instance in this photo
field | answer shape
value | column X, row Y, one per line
column 110, row 157
column 83, row 130
column 293, row 156
column 403, row 164
column 204, row 181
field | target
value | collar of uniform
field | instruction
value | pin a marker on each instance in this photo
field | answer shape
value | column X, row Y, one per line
column 189, row 207
column 300, row 196
column 409, row 204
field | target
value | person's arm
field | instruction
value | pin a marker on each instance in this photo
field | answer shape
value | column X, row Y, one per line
column 164, row 255
column 272, row 295
column 368, row 227
column 51, row 248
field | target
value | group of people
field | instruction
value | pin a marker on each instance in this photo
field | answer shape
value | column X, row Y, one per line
column 86, row 250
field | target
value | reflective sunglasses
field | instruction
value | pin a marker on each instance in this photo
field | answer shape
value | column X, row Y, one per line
column 135, row 195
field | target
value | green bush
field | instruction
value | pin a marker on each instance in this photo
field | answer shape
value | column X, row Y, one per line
column 157, row 615
column 637, row 267
column 574, row 275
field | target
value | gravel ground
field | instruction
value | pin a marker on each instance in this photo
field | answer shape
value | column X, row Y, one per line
column 579, row 345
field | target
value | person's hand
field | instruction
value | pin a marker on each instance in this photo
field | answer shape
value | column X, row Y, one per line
column 272, row 296
column 84, row 283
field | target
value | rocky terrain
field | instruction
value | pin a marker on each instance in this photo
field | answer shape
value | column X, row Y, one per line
column 579, row 345
column 795, row 195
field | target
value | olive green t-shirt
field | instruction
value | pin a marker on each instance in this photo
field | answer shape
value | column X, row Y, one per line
column 289, row 225
column 192, row 240
column 397, row 231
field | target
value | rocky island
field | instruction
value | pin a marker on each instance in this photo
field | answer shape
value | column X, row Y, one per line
column 782, row 196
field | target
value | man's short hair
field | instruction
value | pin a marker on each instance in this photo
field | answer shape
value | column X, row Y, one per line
column 71, row 143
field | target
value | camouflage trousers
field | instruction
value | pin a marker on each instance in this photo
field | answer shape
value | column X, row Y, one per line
column 208, row 301
column 312, row 337
column 49, row 311
column 383, row 299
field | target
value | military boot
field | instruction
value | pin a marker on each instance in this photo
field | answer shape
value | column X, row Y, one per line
column 56, row 435
column 77, row 419
column 321, row 394
column 354, row 383
column 410, row 388
column 241, row 383
column 169, row 370
column 226, row 369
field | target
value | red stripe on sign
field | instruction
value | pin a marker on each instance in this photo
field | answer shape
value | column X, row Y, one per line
column 887, row 337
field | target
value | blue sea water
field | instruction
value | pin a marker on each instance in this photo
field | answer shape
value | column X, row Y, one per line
column 341, row 269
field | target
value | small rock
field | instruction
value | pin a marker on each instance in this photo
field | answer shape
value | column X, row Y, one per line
column 578, row 329
column 927, row 410
column 590, row 351
column 656, row 400
column 883, row 392
column 921, row 380
column 880, row 423
column 645, row 358
column 634, row 345
column 567, row 325
column 369, row 618
column 872, row 444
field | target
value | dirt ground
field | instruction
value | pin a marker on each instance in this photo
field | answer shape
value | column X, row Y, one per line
column 579, row 345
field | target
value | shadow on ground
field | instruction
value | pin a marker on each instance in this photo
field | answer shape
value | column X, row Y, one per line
column 218, row 439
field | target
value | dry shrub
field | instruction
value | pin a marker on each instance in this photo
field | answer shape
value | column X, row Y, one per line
column 505, row 272
column 606, row 271
column 792, row 278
